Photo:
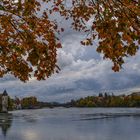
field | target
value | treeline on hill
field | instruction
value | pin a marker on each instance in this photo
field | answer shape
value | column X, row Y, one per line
column 107, row 100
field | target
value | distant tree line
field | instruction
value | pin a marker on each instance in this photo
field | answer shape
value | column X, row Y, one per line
column 107, row 100
column 24, row 103
column 30, row 102
column 102, row 100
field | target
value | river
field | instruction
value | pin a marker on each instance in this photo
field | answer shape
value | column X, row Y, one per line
column 71, row 124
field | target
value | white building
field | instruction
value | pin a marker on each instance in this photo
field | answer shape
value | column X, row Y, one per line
column 5, row 102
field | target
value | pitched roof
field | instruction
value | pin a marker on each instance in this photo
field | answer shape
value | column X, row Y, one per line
column 5, row 93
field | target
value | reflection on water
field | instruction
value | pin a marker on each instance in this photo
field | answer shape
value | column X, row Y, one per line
column 5, row 123
column 71, row 124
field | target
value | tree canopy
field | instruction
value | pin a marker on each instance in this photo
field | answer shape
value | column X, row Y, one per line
column 29, row 41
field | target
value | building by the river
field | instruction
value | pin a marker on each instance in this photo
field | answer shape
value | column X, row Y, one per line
column 4, row 101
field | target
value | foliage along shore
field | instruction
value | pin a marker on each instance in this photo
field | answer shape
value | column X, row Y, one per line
column 107, row 100
column 102, row 100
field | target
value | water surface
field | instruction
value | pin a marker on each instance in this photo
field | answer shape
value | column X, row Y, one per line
column 71, row 124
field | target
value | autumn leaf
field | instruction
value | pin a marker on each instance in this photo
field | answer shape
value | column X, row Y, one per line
column 29, row 43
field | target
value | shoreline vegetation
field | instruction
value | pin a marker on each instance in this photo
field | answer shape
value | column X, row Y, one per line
column 101, row 100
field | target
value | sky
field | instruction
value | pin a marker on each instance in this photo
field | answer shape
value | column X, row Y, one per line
column 83, row 73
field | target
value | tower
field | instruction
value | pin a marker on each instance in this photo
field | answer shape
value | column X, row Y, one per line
column 5, row 102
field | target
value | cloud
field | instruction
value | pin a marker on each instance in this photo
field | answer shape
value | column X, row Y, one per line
column 64, row 59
